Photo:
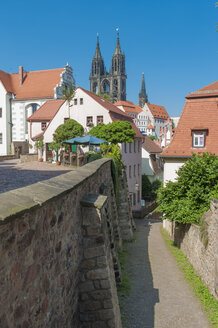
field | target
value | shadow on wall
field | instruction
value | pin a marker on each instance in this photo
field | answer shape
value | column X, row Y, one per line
column 138, row 308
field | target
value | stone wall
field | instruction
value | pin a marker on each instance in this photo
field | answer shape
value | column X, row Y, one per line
column 58, row 251
column 7, row 157
column 200, row 245
column 28, row 158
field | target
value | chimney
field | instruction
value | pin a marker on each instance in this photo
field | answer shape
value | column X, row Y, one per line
column 20, row 75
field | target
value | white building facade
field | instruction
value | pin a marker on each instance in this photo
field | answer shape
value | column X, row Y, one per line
column 21, row 94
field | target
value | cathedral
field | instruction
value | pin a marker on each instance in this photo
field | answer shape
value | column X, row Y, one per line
column 112, row 83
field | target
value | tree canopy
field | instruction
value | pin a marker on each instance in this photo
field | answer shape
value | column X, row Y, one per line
column 68, row 94
column 68, row 130
column 186, row 199
column 115, row 132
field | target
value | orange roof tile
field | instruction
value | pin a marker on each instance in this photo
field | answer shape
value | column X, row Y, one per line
column 47, row 111
column 128, row 106
column 36, row 84
column 151, row 127
column 198, row 114
column 208, row 91
column 158, row 111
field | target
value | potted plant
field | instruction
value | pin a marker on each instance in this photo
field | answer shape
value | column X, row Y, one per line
column 50, row 159
column 39, row 146
column 55, row 146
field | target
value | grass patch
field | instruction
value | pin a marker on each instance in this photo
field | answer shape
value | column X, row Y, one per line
column 209, row 303
column 124, row 287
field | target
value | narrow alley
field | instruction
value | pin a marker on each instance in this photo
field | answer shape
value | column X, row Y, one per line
column 160, row 297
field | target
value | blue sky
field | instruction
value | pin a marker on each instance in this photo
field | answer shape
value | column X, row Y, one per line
column 173, row 42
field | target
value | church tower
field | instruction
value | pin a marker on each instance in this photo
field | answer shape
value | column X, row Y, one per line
column 97, row 70
column 143, row 98
column 113, row 83
column 118, row 74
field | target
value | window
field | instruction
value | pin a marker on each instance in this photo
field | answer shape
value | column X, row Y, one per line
column 34, row 108
column 43, row 125
column 198, row 139
column 100, row 119
column 81, row 101
column 134, row 172
column 138, row 169
column 134, row 146
column 138, row 196
column 75, row 101
column 130, row 147
column 139, row 145
column 134, row 199
column 125, row 148
column 130, row 171
column 1, row 138
column 0, row 112
column 89, row 121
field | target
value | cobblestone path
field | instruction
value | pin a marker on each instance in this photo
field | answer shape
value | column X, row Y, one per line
column 15, row 175
column 160, row 297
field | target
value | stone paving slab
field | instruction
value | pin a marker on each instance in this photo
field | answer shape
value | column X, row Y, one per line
column 14, row 174
column 160, row 296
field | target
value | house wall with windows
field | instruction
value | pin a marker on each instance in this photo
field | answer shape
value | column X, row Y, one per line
column 196, row 131
column 24, row 92
column 131, row 155
column 5, row 121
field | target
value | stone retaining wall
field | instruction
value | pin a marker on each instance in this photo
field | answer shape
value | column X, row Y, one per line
column 28, row 158
column 200, row 245
column 58, row 255
column 7, row 157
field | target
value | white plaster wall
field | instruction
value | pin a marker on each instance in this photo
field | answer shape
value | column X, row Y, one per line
column 171, row 166
column 3, row 120
column 89, row 108
column 54, row 124
column 19, row 109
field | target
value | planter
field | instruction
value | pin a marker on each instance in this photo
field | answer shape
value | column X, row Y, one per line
column 40, row 159
column 58, row 163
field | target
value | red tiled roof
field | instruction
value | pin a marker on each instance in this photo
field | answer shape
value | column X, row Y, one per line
column 128, row 106
column 210, row 90
column 158, row 111
column 150, row 146
column 36, row 84
column 198, row 114
column 114, row 112
column 47, row 111
column 150, row 127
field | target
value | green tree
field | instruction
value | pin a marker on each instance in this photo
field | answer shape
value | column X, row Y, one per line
column 152, row 138
column 68, row 94
column 186, row 199
column 105, row 96
column 68, row 130
column 115, row 132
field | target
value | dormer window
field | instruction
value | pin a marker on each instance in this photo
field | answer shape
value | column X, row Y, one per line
column 43, row 126
column 198, row 138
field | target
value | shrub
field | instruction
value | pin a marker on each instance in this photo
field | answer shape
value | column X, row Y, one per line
column 186, row 199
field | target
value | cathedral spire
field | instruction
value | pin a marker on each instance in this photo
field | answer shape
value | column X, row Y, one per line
column 97, row 51
column 143, row 98
column 117, row 49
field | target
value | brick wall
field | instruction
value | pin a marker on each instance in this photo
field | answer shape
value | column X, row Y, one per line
column 200, row 245
column 46, row 242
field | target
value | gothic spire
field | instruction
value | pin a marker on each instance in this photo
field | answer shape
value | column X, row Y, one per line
column 97, row 51
column 117, row 49
column 143, row 98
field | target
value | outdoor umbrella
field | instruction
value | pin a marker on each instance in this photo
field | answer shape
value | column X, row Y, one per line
column 86, row 140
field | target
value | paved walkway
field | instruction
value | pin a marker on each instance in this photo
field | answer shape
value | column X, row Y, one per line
column 160, row 297
column 15, row 175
